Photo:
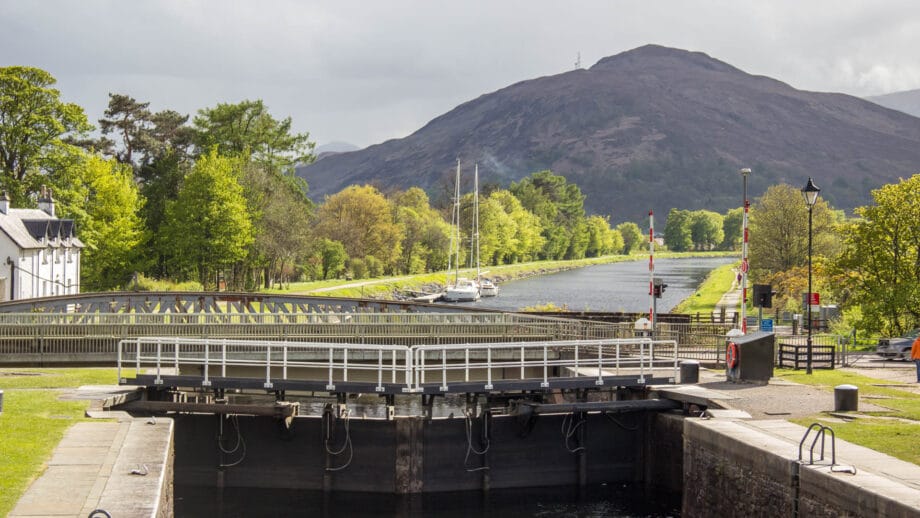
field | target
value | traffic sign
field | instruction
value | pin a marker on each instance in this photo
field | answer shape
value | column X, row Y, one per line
column 766, row 325
column 744, row 266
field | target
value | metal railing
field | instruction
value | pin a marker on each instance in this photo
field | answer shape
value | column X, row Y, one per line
column 397, row 365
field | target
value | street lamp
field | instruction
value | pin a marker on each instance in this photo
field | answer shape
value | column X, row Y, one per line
column 744, row 249
column 810, row 192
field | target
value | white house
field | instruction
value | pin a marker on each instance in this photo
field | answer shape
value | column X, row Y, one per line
column 39, row 253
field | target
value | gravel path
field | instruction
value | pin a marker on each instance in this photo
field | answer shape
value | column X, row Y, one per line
column 781, row 399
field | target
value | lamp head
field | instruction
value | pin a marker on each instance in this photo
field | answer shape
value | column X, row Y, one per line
column 746, row 171
column 810, row 193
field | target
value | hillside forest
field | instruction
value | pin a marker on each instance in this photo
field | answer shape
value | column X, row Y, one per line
column 213, row 201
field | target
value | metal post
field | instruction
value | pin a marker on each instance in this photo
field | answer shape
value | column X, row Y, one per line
column 744, row 250
column 808, row 297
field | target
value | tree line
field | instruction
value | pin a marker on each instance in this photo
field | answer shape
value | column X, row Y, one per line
column 214, row 198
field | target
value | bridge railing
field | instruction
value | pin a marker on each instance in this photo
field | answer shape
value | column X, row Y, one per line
column 524, row 361
column 408, row 367
column 278, row 360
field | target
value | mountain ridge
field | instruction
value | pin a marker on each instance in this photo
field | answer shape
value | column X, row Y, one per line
column 650, row 128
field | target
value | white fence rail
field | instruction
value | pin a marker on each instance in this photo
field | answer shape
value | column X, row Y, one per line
column 408, row 367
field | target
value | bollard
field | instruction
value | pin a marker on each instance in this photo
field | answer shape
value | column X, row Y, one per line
column 1, row 402
column 689, row 371
column 846, row 398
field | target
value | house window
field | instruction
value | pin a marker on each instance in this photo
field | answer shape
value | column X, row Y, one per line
column 70, row 257
column 44, row 254
column 57, row 257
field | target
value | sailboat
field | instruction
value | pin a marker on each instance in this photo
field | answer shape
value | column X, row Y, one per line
column 462, row 289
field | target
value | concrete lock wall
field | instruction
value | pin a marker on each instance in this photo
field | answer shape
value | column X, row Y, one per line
column 732, row 468
column 410, row 455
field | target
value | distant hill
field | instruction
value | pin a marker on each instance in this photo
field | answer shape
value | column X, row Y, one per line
column 651, row 128
column 907, row 102
column 333, row 148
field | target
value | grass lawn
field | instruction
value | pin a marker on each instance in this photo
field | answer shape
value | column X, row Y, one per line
column 34, row 421
column 895, row 432
column 710, row 291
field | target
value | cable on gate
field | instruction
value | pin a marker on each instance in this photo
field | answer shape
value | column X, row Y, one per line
column 330, row 428
column 621, row 425
column 469, row 441
column 570, row 425
column 240, row 443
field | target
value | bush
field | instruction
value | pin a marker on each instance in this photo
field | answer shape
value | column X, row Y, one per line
column 145, row 284
column 358, row 268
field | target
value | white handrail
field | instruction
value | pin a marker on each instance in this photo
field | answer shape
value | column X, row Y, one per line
column 532, row 361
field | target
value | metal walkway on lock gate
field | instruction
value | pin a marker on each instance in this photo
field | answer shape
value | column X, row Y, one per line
column 395, row 369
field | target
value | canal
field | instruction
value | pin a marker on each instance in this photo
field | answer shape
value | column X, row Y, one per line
column 608, row 287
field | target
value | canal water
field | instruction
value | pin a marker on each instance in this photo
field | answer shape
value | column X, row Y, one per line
column 608, row 287
column 601, row 501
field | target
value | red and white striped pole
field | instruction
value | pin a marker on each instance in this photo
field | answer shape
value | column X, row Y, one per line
column 651, row 268
column 744, row 250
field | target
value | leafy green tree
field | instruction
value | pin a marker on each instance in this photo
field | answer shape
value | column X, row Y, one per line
column 363, row 220
column 602, row 239
column 706, row 229
column 37, row 132
column 208, row 225
column 333, row 257
column 779, row 230
column 732, row 222
column 678, row 236
column 632, row 236
column 282, row 222
column 528, row 240
column 111, row 229
column 248, row 128
column 560, row 207
column 879, row 267
column 129, row 120
column 426, row 236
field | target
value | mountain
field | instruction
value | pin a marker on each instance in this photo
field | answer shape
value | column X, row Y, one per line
column 907, row 102
column 333, row 148
column 651, row 128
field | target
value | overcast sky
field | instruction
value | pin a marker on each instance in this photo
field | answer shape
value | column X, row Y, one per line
column 365, row 72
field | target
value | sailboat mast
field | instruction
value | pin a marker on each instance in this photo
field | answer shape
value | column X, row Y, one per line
column 456, row 224
column 476, row 218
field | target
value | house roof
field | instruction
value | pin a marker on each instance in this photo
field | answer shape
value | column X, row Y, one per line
column 27, row 228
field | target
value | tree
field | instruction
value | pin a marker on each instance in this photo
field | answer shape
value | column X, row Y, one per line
column 333, row 257
column 528, row 240
column 36, row 132
column 426, row 236
column 678, row 236
column 779, row 230
column 879, row 267
column 731, row 226
column 130, row 120
column 208, row 225
column 706, row 229
column 632, row 236
column 362, row 219
column 248, row 128
column 111, row 229
column 282, row 221
column 560, row 207
column 602, row 239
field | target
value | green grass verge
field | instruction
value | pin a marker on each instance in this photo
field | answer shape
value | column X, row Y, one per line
column 895, row 432
column 34, row 421
column 710, row 291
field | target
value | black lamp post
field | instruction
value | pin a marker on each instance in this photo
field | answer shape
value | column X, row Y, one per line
column 810, row 192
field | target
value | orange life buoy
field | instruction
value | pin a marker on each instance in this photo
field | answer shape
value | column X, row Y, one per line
column 731, row 355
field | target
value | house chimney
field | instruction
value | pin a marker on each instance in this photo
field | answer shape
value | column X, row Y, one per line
column 46, row 202
column 4, row 203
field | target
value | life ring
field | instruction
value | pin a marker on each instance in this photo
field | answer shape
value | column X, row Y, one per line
column 731, row 355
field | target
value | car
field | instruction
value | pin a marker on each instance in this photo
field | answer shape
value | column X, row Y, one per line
column 897, row 348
